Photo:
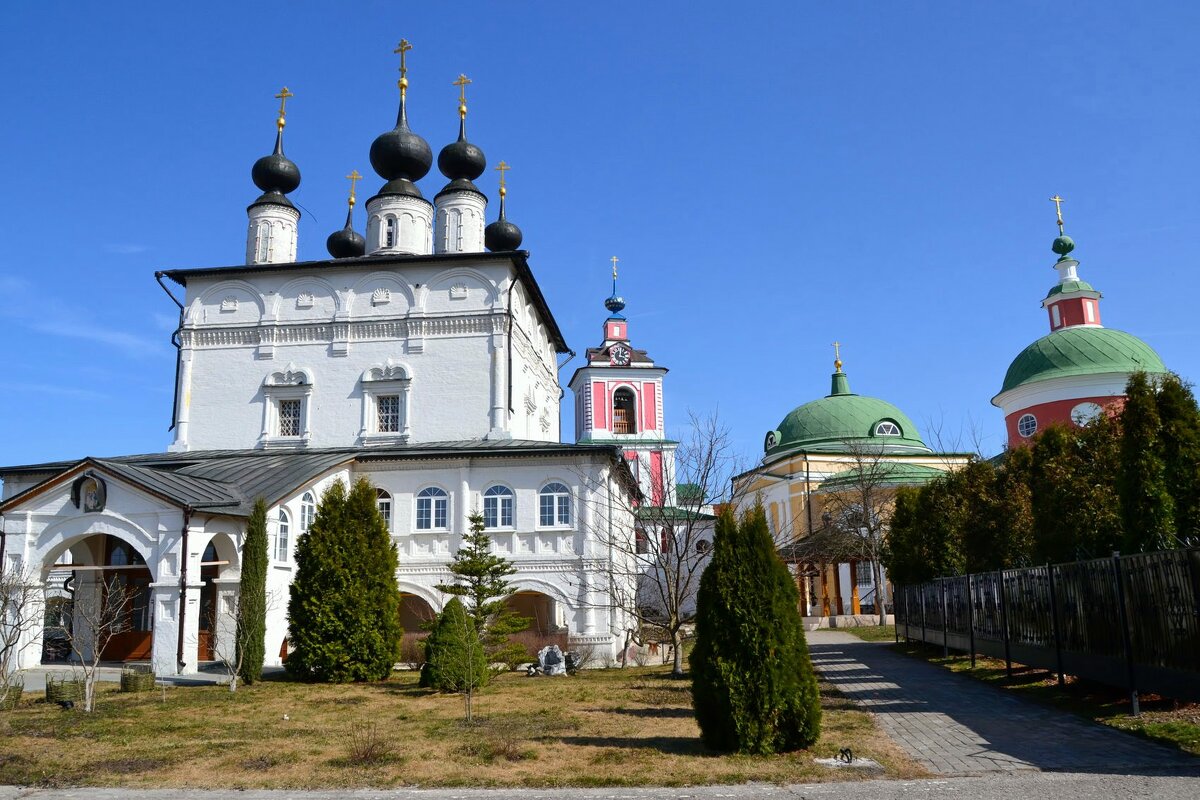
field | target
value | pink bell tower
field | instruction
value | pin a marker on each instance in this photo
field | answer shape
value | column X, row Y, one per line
column 618, row 400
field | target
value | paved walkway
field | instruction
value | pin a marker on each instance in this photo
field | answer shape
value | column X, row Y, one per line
column 955, row 725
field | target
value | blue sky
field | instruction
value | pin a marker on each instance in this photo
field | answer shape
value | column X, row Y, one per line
column 773, row 176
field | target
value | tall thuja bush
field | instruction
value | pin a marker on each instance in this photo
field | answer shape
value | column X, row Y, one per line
column 1180, row 437
column 1011, row 512
column 1147, row 507
column 455, row 660
column 344, row 608
column 252, row 597
column 753, row 687
column 903, row 546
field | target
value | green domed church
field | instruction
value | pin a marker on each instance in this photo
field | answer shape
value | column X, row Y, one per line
column 827, row 479
column 1080, row 368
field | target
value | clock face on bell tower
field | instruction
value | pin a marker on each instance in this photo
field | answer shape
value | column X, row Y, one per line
column 619, row 355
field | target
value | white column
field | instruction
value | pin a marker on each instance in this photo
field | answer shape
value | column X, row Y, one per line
column 845, row 578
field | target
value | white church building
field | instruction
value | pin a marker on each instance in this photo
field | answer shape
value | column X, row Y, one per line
column 422, row 356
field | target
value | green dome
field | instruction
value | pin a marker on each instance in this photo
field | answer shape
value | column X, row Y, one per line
column 1081, row 350
column 843, row 420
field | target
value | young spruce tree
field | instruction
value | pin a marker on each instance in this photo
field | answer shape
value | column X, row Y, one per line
column 251, row 631
column 454, row 656
column 1147, row 508
column 344, row 622
column 479, row 578
column 1180, row 422
column 753, row 687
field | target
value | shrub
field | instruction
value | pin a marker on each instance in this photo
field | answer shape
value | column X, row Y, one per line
column 344, row 611
column 753, row 686
column 454, row 656
column 251, row 629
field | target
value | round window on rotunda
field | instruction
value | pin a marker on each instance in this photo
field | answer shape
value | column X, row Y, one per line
column 1027, row 425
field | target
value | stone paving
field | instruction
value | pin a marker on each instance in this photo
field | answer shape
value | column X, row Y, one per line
column 955, row 725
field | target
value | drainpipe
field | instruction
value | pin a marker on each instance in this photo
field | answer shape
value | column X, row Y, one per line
column 175, row 340
column 512, row 285
column 183, row 562
column 563, row 392
column 3, row 552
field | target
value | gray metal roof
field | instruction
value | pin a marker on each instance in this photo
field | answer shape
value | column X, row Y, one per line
column 228, row 481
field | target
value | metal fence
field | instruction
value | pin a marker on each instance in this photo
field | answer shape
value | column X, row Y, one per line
column 1129, row 621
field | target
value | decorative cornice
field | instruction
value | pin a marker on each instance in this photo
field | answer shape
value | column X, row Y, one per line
column 328, row 332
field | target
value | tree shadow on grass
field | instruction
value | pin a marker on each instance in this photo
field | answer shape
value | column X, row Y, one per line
column 650, row 713
column 672, row 745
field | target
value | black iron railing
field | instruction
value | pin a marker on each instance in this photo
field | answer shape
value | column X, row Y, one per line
column 1130, row 621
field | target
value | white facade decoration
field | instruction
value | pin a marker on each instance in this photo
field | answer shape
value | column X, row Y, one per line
column 399, row 224
column 271, row 237
column 459, row 222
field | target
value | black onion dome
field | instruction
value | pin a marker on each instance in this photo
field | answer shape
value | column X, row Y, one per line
column 501, row 235
column 346, row 243
column 461, row 159
column 400, row 153
column 276, row 172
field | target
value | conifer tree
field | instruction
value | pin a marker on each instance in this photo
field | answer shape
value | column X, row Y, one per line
column 479, row 578
column 753, row 687
column 454, row 657
column 901, row 552
column 251, row 631
column 343, row 613
column 1180, row 420
column 1147, row 508
column 1011, row 513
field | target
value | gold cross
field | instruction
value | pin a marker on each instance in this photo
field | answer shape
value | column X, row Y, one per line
column 461, row 83
column 502, row 168
column 614, row 261
column 1058, row 201
column 354, row 178
column 402, row 49
column 282, row 97
column 837, row 356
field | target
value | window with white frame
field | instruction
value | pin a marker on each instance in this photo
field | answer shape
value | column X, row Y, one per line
column 863, row 573
column 283, row 537
column 1027, row 425
column 433, row 509
column 285, row 413
column 554, row 506
column 498, row 507
column 383, row 501
column 887, row 428
column 385, row 390
column 308, row 511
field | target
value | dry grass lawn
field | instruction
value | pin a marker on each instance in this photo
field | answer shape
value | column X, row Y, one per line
column 600, row 728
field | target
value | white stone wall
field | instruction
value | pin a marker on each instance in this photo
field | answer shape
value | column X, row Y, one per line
column 448, row 326
column 458, row 223
column 271, row 236
column 410, row 220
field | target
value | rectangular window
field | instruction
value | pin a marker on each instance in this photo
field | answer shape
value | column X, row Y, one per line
column 564, row 509
column 498, row 511
column 385, row 511
column 289, row 417
column 864, row 573
column 546, row 510
column 1054, row 313
column 431, row 513
column 1091, row 313
column 387, row 413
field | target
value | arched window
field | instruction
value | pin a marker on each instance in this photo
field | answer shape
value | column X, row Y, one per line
column 1027, row 425
column 263, row 245
column 554, row 506
column 389, row 239
column 383, row 501
column 308, row 511
column 624, row 411
column 666, row 539
column 432, row 509
column 282, row 538
column 642, row 541
column 887, row 428
column 498, row 507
